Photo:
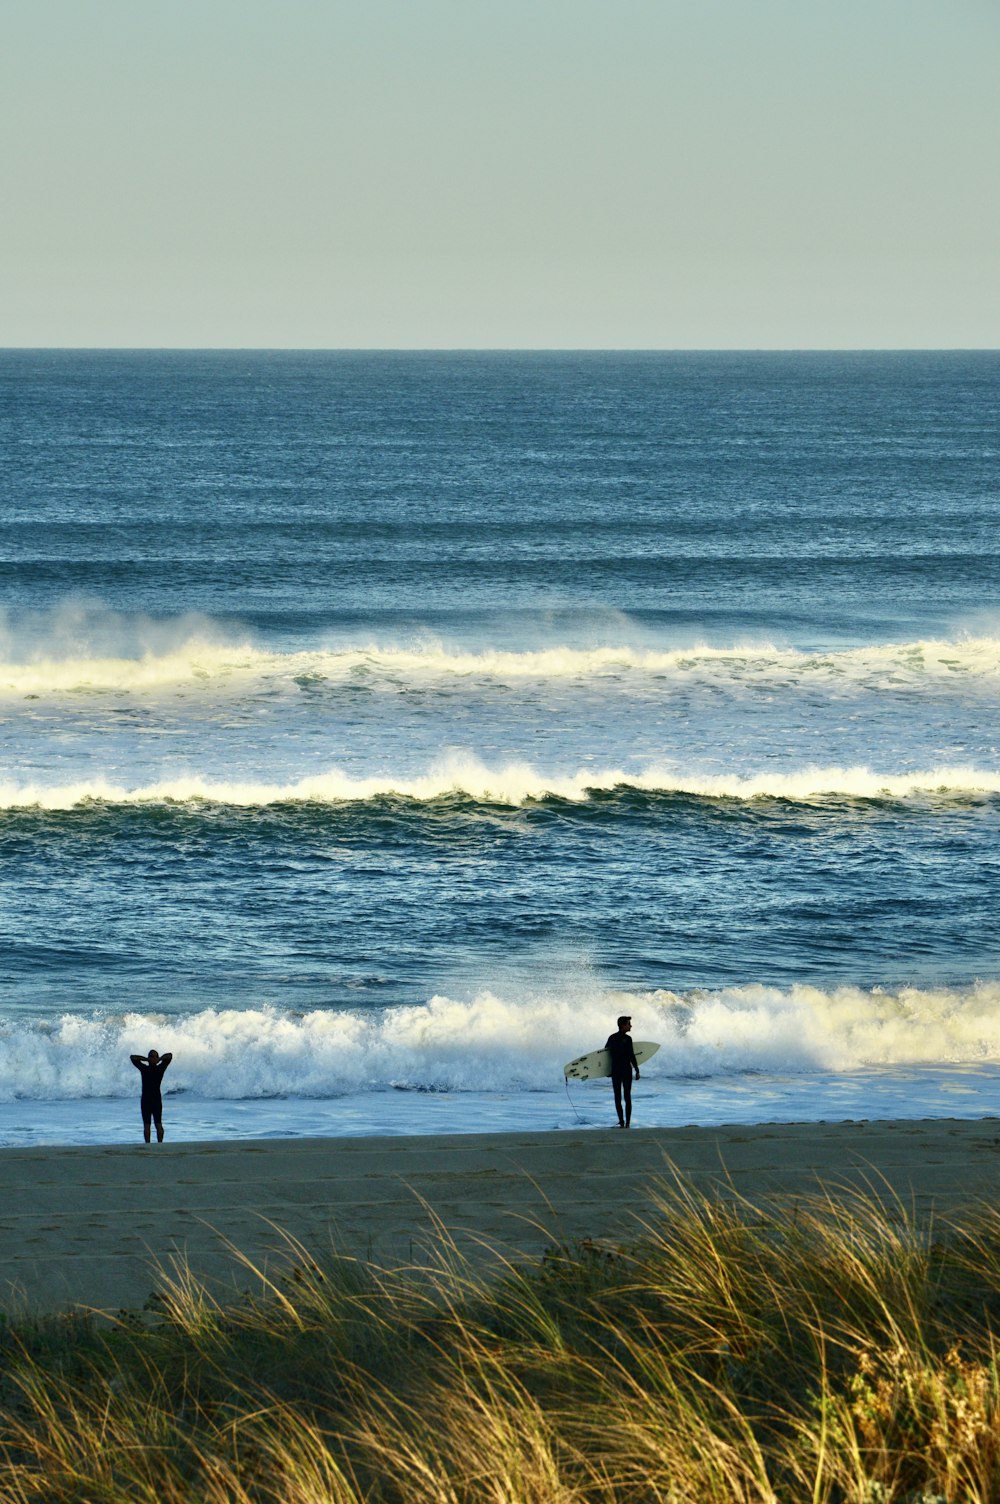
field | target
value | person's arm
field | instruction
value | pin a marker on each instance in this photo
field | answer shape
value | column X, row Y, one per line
column 635, row 1063
column 138, row 1061
column 166, row 1059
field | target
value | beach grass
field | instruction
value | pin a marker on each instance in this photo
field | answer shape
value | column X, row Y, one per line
column 830, row 1349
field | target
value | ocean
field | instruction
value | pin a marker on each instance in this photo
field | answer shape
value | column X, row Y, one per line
column 377, row 727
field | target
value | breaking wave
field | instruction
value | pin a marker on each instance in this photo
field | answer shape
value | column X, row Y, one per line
column 514, row 783
column 79, row 649
column 495, row 1041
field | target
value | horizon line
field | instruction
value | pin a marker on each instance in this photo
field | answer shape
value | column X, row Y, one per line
column 507, row 349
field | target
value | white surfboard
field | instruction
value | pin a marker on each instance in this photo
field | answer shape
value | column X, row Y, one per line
column 598, row 1062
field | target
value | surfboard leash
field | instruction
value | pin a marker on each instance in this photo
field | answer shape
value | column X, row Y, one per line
column 571, row 1102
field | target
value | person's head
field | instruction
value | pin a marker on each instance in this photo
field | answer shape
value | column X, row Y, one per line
column 624, row 1023
column 153, row 1056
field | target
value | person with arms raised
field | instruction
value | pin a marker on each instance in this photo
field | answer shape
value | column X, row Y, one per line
column 151, row 1068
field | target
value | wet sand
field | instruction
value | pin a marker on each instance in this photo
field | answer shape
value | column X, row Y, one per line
column 88, row 1226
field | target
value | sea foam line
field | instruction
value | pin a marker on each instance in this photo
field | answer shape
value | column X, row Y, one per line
column 205, row 664
column 502, row 1040
column 514, row 783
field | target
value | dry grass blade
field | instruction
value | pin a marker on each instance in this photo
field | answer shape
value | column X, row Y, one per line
column 835, row 1352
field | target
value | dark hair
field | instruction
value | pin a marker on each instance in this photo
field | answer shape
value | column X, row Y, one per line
column 626, row 1018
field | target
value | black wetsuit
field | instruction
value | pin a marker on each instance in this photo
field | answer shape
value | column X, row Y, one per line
column 623, row 1063
column 151, row 1102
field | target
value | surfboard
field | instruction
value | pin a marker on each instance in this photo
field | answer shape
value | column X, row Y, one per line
column 598, row 1062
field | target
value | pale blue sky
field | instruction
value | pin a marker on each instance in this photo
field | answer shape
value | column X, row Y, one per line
column 559, row 173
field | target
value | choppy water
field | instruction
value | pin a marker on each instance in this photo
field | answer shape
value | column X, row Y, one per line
column 377, row 727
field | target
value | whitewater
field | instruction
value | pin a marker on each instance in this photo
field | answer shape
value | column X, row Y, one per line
column 512, row 784
column 806, row 1051
column 42, row 658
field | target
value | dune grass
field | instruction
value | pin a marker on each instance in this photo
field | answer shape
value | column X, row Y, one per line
column 831, row 1351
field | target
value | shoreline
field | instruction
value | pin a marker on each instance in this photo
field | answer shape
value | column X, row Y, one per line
column 87, row 1225
column 873, row 1093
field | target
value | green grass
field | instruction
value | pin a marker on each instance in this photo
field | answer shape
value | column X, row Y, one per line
column 830, row 1352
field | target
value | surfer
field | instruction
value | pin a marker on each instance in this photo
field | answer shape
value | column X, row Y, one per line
column 151, row 1068
column 623, row 1063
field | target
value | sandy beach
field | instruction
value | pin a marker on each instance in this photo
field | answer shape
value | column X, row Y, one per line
column 89, row 1225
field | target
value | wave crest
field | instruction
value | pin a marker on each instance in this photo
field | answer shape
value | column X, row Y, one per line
column 79, row 648
column 513, row 784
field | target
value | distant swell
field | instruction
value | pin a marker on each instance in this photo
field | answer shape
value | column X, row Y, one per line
column 512, row 784
column 500, row 1041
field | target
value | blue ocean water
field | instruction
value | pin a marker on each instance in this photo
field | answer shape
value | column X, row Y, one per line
column 377, row 727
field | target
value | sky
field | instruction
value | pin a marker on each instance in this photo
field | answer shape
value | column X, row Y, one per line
column 655, row 174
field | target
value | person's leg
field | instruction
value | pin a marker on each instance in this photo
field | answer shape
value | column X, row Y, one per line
column 146, row 1116
column 617, row 1085
column 627, row 1085
column 158, row 1120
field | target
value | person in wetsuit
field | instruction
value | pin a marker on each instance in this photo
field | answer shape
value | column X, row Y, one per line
column 151, row 1068
column 623, row 1063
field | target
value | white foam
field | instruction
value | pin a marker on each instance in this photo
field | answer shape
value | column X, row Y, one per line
column 84, row 645
column 87, row 648
column 513, row 784
column 502, row 1040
